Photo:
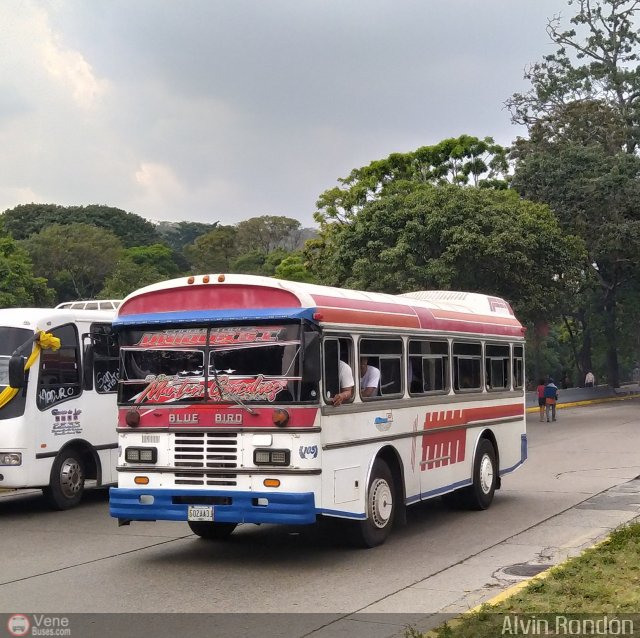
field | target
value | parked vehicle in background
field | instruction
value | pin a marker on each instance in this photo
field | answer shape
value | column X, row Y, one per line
column 226, row 392
column 58, row 427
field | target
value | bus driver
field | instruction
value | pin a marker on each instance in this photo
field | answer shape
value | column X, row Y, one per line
column 346, row 383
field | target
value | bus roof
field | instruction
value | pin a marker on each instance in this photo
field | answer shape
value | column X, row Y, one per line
column 207, row 298
column 46, row 318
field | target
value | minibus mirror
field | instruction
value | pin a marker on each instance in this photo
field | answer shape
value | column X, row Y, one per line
column 311, row 372
column 16, row 371
column 87, row 366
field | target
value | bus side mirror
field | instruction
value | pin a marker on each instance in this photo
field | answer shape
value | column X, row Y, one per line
column 16, row 371
column 311, row 372
column 87, row 366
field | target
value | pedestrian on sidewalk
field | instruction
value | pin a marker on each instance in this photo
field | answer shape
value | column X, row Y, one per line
column 589, row 380
column 541, row 400
column 551, row 398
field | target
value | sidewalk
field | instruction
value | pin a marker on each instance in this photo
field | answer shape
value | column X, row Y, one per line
column 585, row 396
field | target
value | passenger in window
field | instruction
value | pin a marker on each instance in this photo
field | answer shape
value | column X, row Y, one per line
column 369, row 379
column 345, row 375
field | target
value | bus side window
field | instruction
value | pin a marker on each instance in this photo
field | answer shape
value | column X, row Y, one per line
column 386, row 355
column 518, row 367
column 467, row 371
column 106, row 358
column 428, row 366
column 59, row 377
column 497, row 367
column 335, row 350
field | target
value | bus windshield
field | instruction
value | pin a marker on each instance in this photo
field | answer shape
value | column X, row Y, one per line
column 233, row 364
column 10, row 340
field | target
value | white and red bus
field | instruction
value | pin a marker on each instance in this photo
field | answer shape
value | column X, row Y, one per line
column 226, row 411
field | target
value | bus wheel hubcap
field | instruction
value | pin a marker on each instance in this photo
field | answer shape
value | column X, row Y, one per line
column 381, row 503
column 70, row 478
column 486, row 474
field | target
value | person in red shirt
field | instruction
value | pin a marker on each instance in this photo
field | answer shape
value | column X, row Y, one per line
column 541, row 399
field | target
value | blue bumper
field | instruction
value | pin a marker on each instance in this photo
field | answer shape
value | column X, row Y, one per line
column 238, row 507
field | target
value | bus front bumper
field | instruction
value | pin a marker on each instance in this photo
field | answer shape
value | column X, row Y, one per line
column 228, row 507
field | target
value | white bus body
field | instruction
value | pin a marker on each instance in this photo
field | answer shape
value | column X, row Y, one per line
column 226, row 415
column 60, row 428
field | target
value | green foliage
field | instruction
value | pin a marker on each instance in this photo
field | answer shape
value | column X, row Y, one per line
column 181, row 234
column 157, row 256
column 26, row 220
column 461, row 161
column 583, row 117
column 137, row 267
column 268, row 233
column 214, row 251
column 418, row 237
column 75, row 259
column 18, row 285
column 293, row 268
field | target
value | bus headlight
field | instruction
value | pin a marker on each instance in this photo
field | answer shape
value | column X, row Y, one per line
column 141, row 455
column 271, row 457
column 10, row 458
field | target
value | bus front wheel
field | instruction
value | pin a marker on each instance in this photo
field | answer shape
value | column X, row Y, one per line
column 66, row 485
column 381, row 509
column 212, row 531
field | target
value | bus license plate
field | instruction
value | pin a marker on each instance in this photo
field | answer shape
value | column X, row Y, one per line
column 200, row 513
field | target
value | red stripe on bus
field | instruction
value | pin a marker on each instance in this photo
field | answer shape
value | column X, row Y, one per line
column 367, row 318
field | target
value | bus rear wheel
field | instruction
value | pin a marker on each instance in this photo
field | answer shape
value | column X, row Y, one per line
column 479, row 495
column 66, row 485
column 381, row 509
column 212, row 531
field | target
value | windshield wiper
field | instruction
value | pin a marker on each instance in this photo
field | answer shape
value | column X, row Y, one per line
column 222, row 394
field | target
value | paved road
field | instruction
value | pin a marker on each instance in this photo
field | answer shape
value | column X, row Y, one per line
column 80, row 561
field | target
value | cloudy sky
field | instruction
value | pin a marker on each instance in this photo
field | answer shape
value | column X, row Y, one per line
column 221, row 110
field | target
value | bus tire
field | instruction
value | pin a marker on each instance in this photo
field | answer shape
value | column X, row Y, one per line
column 380, row 508
column 479, row 495
column 66, row 485
column 212, row 531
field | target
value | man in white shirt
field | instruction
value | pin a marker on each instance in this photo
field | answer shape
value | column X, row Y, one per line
column 345, row 376
column 369, row 379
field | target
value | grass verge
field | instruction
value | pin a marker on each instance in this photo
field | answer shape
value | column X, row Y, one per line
column 604, row 580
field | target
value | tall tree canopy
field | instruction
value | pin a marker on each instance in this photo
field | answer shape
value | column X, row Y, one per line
column 27, row 219
column 75, row 259
column 181, row 234
column 583, row 118
column 419, row 236
column 18, row 285
column 462, row 160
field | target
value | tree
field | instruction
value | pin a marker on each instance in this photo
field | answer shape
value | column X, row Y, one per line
column 214, row 251
column 293, row 268
column 417, row 236
column 137, row 267
column 268, row 232
column 462, row 160
column 18, row 285
column 28, row 219
column 583, row 118
column 75, row 259
column 177, row 235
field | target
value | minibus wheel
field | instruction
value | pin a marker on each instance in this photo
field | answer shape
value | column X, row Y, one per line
column 212, row 531
column 66, row 484
column 381, row 509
